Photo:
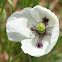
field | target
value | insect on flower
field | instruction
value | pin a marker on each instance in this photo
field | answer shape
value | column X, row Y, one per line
column 36, row 28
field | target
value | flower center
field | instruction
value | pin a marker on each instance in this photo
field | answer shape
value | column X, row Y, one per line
column 41, row 28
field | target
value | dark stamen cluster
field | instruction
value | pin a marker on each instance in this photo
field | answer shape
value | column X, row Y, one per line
column 39, row 45
column 36, row 31
column 45, row 20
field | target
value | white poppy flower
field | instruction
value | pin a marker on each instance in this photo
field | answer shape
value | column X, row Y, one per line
column 36, row 28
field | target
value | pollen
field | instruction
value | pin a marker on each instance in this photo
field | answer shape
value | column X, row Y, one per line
column 41, row 28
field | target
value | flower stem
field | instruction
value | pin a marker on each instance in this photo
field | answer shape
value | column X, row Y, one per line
column 29, row 58
column 10, row 51
column 10, row 41
column 2, row 10
column 16, row 56
column 11, row 5
column 3, row 6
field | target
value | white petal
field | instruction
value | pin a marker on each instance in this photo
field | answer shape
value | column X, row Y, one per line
column 54, row 37
column 44, row 12
column 22, row 20
column 29, row 48
column 17, row 30
column 36, row 14
column 26, row 13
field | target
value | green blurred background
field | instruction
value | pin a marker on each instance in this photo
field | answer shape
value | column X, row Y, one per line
column 54, row 56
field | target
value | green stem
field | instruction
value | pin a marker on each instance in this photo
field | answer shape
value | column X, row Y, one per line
column 2, row 10
column 10, row 51
column 29, row 58
column 10, row 41
column 23, row 58
column 16, row 56
column 11, row 5
column 3, row 6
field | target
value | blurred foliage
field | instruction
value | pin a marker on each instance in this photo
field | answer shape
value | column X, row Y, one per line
column 60, row 2
column 54, row 56
column 27, row 3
